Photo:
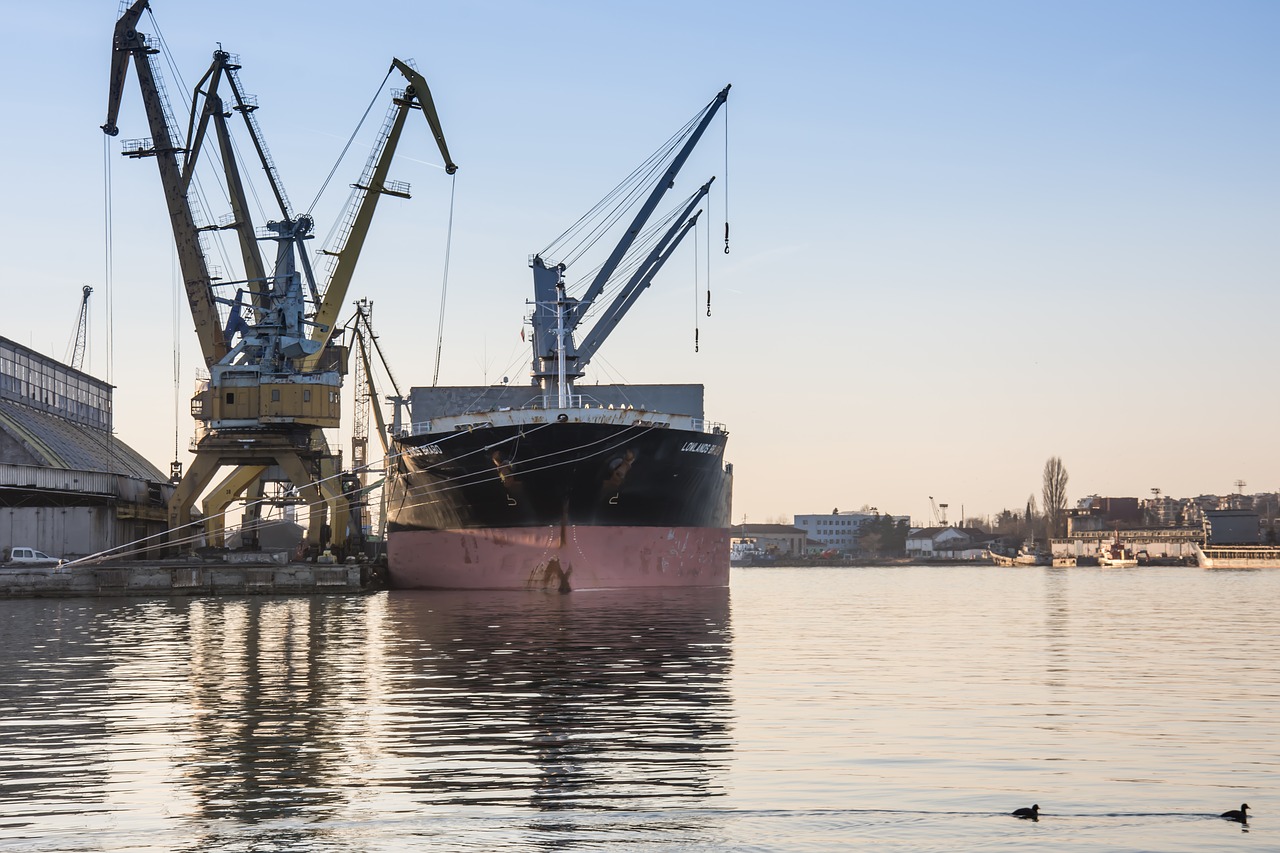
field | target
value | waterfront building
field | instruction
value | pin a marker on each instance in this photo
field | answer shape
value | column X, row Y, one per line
column 68, row 486
column 838, row 530
column 947, row 543
column 1154, row 543
column 781, row 540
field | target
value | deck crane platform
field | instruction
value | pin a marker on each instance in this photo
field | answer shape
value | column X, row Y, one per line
column 275, row 370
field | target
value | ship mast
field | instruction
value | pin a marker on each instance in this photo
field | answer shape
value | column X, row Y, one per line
column 562, row 382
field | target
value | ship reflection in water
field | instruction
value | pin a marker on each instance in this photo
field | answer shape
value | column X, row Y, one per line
column 210, row 723
column 606, row 698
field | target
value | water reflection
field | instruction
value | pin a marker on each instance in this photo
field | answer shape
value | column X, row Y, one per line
column 47, row 713
column 271, row 685
column 218, row 714
column 608, row 698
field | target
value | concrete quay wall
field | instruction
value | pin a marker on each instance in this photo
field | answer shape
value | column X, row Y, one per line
column 124, row 579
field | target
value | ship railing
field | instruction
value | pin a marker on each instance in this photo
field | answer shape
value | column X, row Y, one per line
column 424, row 427
column 696, row 424
column 552, row 401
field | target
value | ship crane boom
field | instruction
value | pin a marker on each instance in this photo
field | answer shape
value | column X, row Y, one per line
column 660, row 189
column 557, row 361
column 642, row 277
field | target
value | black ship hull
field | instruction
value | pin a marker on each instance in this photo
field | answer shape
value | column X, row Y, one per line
column 544, row 503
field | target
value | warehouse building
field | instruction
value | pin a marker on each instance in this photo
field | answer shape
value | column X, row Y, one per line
column 68, row 486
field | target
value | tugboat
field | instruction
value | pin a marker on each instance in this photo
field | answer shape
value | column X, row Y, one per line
column 1116, row 556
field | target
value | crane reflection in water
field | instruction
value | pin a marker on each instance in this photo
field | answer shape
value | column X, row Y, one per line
column 607, row 699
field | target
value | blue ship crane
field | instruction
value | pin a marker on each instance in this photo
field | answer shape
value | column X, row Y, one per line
column 557, row 360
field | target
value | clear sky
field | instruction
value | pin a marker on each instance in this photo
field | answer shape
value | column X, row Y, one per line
column 966, row 237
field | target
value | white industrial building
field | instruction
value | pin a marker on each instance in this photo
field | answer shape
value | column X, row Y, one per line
column 839, row 530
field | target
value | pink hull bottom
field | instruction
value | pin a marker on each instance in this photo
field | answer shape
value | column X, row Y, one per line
column 559, row 559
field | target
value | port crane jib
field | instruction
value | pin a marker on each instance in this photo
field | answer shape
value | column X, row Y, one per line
column 275, row 369
column 372, row 185
column 129, row 44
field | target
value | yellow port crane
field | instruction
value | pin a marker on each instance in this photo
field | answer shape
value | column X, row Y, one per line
column 275, row 371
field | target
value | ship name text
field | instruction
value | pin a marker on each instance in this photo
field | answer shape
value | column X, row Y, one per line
column 702, row 447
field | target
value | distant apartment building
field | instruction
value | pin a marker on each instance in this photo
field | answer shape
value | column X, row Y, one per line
column 838, row 530
column 1096, row 513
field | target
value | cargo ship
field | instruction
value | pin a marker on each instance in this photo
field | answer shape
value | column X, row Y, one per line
column 559, row 485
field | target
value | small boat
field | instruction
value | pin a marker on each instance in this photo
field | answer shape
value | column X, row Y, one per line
column 1064, row 562
column 747, row 552
column 1022, row 558
column 1116, row 556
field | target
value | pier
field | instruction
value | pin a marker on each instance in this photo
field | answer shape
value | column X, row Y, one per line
column 184, row 578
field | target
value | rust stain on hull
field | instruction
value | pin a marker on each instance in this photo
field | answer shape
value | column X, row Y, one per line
column 551, row 576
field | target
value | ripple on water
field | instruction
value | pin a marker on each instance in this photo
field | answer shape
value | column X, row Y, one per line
column 890, row 708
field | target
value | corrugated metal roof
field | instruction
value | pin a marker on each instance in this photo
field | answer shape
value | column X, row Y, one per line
column 57, row 443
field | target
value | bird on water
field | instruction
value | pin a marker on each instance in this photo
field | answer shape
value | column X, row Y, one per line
column 1032, row 813
column 1242, row 814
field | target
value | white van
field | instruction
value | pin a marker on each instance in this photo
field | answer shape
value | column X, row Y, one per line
column 22, row 556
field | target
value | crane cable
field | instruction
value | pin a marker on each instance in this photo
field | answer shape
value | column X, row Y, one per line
column 107, row 240
column 726, row 187
column 352, row 139
column 444, row 287
column 108, row 266
column 695, row 286
column 177, row 360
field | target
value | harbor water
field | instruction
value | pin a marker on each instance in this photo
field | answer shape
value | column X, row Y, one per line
column 803, row 709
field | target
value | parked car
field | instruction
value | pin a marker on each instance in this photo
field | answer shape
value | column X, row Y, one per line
column 23, row 556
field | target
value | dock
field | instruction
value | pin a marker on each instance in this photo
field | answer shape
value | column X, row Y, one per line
column 186, row 578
